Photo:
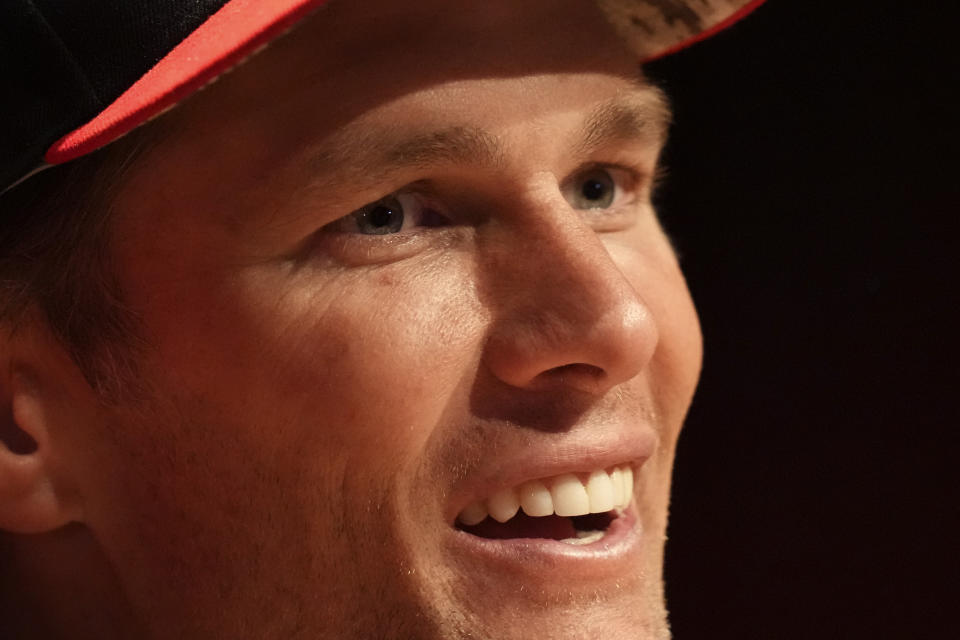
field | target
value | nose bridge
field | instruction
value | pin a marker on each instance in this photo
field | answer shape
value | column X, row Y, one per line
column 567, row 274
column 564, row 311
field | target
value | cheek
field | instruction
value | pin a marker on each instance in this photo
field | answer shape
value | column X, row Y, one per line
column 648, row 261
column 382, row 357
column 670, row 380
column 676, row 363
column 356, row 366
column 290, row 410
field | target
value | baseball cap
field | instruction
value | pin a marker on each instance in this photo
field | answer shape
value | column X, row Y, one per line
column 80, row 74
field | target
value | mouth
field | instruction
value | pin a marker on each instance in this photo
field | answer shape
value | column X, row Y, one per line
column 559, row 519
column 575, row 509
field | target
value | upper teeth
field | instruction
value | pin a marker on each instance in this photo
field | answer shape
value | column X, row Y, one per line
column 565, row 495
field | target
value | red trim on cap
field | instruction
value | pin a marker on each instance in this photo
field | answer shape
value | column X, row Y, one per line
column 233, row 32
column 737, row 16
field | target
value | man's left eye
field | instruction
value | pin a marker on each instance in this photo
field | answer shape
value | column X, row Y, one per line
column 594, row 189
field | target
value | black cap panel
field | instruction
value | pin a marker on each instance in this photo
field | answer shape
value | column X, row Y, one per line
column 44, row 91
column 63, row 61
column 117, row 41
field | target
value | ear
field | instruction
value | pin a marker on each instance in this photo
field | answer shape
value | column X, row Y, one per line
column 33, row 498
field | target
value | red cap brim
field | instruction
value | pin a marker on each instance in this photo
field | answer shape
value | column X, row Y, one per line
column 238, row 29
column 231, row 34
column 735, row 17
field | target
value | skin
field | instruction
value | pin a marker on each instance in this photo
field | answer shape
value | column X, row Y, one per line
column 317, row 404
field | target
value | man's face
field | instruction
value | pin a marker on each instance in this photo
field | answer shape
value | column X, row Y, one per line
column 400, row 262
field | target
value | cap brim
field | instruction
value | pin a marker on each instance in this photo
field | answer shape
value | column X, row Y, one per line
column 231, row 34
column 657, row 28
column 653, row 29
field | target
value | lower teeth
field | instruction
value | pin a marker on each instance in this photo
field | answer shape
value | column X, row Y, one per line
column 584, row 537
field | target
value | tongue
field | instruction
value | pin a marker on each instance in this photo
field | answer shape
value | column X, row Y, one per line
column 523, row 526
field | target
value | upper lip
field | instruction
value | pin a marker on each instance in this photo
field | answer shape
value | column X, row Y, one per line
column 582, row 453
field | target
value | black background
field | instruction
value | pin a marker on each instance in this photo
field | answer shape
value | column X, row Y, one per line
column 813, row 192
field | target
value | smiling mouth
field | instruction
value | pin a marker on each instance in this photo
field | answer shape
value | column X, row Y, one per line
column 576, row 509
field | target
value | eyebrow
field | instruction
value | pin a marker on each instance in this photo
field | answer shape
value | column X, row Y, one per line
column 453, row 145
column 641, row 114
column 376, row 154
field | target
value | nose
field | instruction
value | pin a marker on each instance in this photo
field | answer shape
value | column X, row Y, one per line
column 564, row 313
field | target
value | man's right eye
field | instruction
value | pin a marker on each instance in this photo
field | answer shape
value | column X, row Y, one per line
column 393, row 214
column 380, row 217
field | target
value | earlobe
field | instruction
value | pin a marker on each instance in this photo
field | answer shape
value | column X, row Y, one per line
column 31, row 500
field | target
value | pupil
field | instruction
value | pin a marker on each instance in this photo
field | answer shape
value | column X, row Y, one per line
column 593, row 189
column 381, row 216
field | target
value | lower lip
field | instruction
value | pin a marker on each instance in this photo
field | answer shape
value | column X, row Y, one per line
column 552, row 560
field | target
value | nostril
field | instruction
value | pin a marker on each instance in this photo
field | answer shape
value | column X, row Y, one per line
column 579, row 369
column 585, row 377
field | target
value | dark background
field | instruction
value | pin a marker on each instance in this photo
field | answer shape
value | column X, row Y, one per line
column 813, row 192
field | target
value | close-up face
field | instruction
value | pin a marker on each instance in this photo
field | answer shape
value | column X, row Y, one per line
column 398, row 278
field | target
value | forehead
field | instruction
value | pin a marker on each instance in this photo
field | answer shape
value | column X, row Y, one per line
column 357, row 92
column 425, row 137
